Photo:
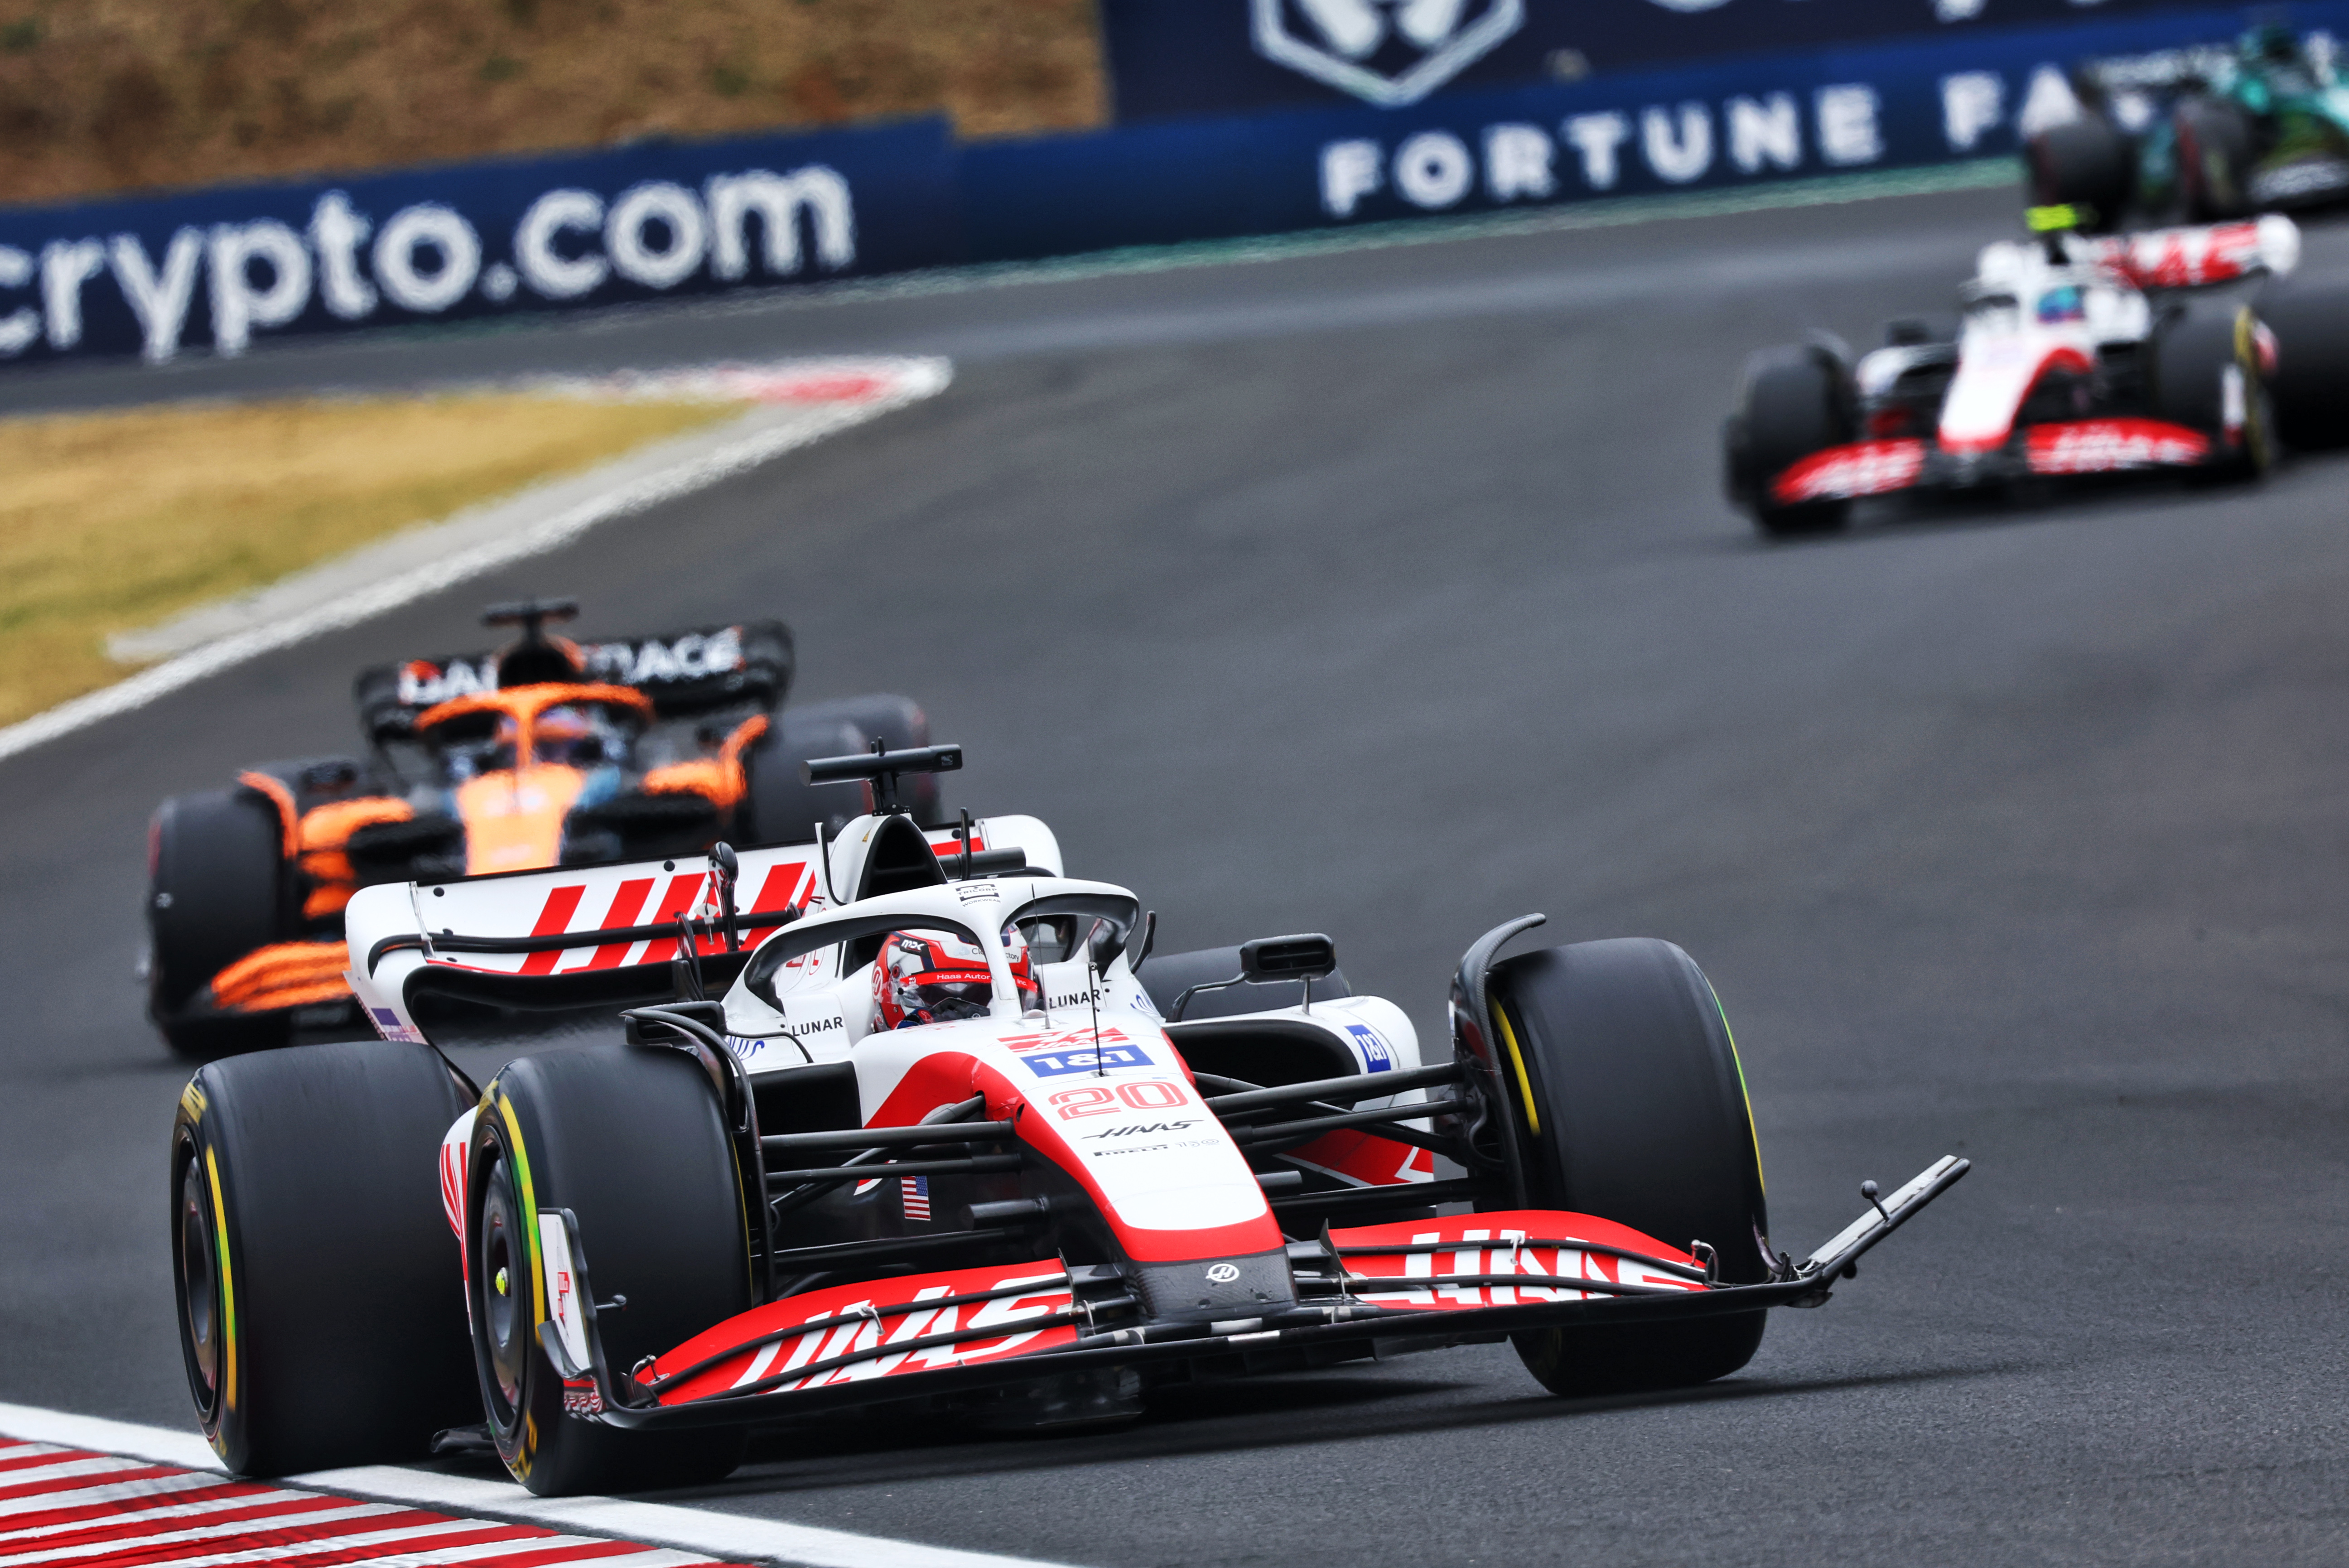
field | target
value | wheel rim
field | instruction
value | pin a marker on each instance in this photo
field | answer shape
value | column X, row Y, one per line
column 200, row 1303
column 500, row 1281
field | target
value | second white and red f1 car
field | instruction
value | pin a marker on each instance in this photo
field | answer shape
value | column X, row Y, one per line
column 2073, row 355
column 951, row 1139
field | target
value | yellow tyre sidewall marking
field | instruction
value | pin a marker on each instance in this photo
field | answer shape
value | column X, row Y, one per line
column 227, row 1284
column 1518, row 1061
column 1752, row 1133
column 522, row 1462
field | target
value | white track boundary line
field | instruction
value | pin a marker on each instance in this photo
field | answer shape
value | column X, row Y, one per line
column 727, row 1536
column 756, row 443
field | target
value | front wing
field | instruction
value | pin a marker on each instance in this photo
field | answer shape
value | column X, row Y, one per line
column 1461, row 1278
column 2120, row 445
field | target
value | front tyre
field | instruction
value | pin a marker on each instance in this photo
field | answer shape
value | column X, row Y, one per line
column 1796, row 401
column 1632, row 1109
column 629, row 1139
column 320, row 1313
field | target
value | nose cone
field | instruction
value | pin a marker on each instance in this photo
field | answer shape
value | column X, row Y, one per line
column 1994, row 375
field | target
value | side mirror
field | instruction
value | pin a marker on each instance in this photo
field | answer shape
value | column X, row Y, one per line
column 1269, row 959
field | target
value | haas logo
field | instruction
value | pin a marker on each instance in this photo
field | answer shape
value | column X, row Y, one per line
column 1386, row 52
column 1224, row 1273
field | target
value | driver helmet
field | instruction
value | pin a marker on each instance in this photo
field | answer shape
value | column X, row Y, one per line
column 569, row 735
column 2065, row 303
column 929, row 977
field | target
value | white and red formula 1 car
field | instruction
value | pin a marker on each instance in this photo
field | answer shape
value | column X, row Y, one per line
column 2073, row 355
column 1105, row 1175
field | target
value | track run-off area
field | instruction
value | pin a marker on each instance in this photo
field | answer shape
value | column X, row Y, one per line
column 1390, row 593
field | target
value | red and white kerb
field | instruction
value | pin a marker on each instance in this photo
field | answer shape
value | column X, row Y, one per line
column 70, row 1508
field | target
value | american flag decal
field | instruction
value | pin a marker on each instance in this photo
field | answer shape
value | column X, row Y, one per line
column 916, row 1190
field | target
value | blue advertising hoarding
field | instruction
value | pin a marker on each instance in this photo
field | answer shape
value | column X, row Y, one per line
column 218, row 270
column 1178, row 59
column 1746, row 121
column 219, row 267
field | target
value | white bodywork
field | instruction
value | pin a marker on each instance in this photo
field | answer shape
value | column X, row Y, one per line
column 1108, row 1098
column 2028, row 312
column 588, row 898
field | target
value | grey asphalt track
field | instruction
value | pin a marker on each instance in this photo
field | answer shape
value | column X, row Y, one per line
column 1390, row 594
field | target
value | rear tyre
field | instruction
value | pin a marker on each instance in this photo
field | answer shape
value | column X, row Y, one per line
column 900, row 723
column 2206, row 374
column 2310, row 387
column 1797, row 401
column 321, row 1313
column 630, row 1139
column 1639, row 1115
column 2214, row 160
column 218, row 888
column 2085, row 163
column 782, row 806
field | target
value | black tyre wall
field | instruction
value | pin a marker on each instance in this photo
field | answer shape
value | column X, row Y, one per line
column 342, row 1295
column 1638, row 1115
column 218, row 887
column 631, row 1140
column 2083, row 162
column 2312, row 381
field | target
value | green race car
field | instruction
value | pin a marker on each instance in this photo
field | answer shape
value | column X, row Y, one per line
column 2206, row 134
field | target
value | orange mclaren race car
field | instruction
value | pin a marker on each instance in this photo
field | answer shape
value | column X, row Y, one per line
column 548, row 752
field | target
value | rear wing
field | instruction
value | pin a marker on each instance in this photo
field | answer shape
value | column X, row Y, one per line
column 607, row 936
column 685, row 673
column 2106, row 83
column 2195, row 257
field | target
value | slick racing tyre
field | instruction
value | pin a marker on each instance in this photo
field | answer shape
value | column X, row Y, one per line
column 2311, row 389
column 2206, row 374
column 2085, row 163
column 783, row 807
column 899, row 723
column 321, row 1315
column 631, row 1141
column 1797, row 400
column 2214, row 160
column 1636, row 1112
column 218, row 888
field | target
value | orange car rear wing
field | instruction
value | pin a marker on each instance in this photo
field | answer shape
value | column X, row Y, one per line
column 682, row 674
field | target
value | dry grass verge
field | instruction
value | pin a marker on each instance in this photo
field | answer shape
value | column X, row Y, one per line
column 114, row 521
column 109, row 94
